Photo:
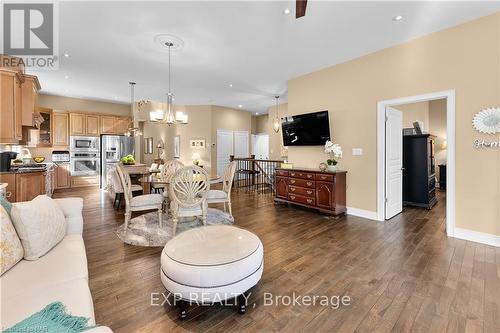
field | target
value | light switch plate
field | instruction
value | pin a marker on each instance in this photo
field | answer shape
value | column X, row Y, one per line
column 357, row 151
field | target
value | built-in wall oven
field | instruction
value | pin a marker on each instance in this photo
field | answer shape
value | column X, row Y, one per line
column 84, row 144
column 85, row 163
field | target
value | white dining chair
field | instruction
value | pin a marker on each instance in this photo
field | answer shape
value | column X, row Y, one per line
column 115, row 186
column 188, row 189
column 157, row 188
column 224, row 196
column 140, row 202
column 169, row 168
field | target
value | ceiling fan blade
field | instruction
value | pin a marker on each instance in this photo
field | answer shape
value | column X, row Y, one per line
column 300, row 8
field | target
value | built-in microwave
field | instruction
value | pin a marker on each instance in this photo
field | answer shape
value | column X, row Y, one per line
column 84, row 143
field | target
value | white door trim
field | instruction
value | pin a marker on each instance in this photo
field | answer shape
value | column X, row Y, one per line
column 450, row 153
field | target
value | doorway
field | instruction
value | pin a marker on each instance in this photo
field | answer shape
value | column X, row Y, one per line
column 391, row 159
column 230, row 143
column 260, row 146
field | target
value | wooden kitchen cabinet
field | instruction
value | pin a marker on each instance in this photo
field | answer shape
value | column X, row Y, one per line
column 10, row 179
column 29, row 185
column 62, row 176
column 29, row 92
column 92, row 125
column 60, row 128
column 45, row 130
column 10, row 107
column 123, row 124
column 77, row 124
column 108, row 125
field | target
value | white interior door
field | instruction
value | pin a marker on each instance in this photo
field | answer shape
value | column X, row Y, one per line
column 224, row 149
column 241, row 144
column 260, row 146
column 393, row 162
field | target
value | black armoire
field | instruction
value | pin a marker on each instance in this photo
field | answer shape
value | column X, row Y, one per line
column 419, row 173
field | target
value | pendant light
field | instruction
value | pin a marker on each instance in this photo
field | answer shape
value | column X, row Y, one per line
column 276, row 120
column 168, row 116
column 132, row 131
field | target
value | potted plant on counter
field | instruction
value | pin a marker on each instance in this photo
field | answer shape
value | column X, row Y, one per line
column 335, row 152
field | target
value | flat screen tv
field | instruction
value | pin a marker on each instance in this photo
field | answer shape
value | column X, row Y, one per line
column 309, row 129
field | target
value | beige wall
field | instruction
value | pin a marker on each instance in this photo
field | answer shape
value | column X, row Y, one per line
column 465, row 58
column 85, row 105
column 261, row 124
column 203, row 124
column 276, row 149
column 413, row 112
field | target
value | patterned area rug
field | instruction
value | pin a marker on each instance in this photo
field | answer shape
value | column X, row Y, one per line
column 144, row 230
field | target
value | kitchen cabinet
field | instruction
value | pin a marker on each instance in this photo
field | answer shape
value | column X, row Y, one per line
column 10, row 179
column 10, row 107
column 29, row 92
column 108, row 125
column 60, row 129
column 123, row 124
column 62, row 176
column 81, row 181
column 92, row 125
column 45, row 130
column 77, row 124
column 29, row 185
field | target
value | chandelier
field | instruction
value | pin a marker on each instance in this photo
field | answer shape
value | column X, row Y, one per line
column 132, row 130
column 168, row 116
column 276, row 120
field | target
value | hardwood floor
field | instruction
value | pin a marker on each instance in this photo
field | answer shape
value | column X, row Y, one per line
column 401, row 275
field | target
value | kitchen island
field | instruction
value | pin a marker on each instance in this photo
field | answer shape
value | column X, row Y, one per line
column 25, row 185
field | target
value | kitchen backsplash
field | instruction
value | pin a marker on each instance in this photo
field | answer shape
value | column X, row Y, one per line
column 45, row 151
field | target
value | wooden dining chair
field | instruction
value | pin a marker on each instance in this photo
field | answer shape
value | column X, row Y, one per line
column 188, row 189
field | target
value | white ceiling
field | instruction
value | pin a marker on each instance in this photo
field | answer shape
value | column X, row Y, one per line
column 251, row 45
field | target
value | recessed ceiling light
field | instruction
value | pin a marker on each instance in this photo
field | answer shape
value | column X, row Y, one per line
column 66, row 77
column 287, row 11
column 230, row 85
column 397, row 18
column 256, row 113
column 240, row 106
column 66, row 55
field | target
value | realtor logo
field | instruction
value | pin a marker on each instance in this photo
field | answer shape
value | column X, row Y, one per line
column 29, row 32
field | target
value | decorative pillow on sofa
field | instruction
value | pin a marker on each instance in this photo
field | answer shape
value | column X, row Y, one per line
column 11, row 250
column 40, row 224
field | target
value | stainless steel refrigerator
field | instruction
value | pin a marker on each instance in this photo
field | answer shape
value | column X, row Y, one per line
column 113, row 147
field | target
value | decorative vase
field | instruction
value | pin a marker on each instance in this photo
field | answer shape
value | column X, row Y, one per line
column 331, row 168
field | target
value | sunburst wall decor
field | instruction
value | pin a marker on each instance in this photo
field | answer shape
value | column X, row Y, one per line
column 487, row 121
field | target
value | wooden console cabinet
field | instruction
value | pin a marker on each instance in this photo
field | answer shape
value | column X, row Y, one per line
column 323, row 191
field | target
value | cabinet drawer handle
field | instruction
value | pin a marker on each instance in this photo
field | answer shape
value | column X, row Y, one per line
column 309, row 192
column 309, row 183
column 292, row 197
column 292, row 174
column 292, row 189
column 309, row 200
column 309, row 176
column 323, row 177
column 292, row 181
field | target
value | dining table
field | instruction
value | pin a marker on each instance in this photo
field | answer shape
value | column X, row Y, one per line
column 155, row 179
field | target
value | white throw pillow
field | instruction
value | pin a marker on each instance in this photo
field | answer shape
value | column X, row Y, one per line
column 11, row 250
column 40, row 224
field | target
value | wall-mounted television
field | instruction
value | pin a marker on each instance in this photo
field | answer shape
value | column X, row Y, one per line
column 309, row 129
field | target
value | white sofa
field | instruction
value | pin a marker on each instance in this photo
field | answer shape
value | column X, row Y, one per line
column 60, row 275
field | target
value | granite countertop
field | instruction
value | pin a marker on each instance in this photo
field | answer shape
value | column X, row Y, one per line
column 49, row 166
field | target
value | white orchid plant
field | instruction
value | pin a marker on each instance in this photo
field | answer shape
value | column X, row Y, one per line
column 335, row 152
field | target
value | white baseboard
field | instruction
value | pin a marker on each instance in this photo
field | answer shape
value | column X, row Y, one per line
column 476, row 236
column 362, row 213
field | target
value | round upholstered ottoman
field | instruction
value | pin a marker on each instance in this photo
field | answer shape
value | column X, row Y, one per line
column 211, row 264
